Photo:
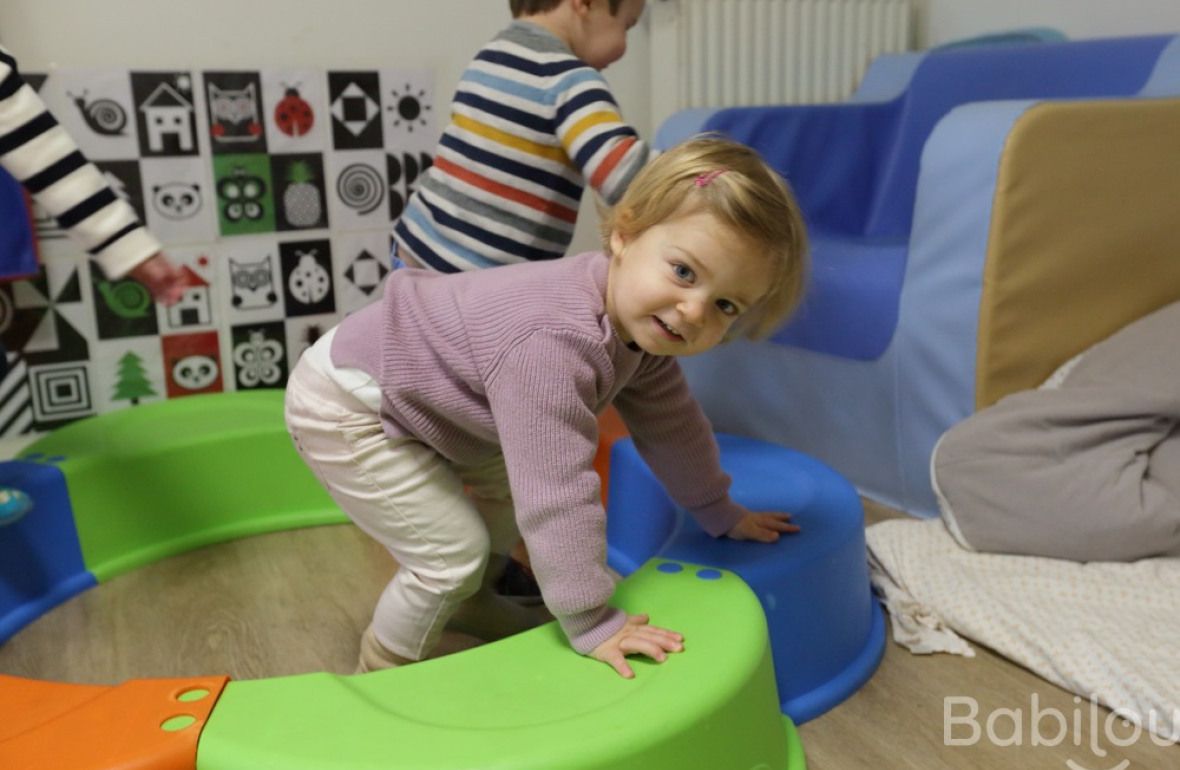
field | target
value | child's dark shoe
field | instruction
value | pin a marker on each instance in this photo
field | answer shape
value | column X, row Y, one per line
column 516, row 583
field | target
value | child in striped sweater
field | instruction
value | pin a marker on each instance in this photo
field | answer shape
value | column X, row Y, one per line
column 40, row 155
column 532, row 122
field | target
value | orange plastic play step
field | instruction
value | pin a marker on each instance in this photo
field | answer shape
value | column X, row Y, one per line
column 141, row 724
column 610, row 429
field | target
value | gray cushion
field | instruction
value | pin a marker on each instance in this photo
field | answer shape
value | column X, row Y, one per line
column 1087, row 470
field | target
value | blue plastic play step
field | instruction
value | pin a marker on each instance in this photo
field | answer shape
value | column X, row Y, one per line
column 827, row 632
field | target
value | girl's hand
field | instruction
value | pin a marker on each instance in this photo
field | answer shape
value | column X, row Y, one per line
column 763, row 527
column 162, row 278
column 636, row 637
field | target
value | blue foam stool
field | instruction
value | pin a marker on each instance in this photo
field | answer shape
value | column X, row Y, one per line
column 827, row 632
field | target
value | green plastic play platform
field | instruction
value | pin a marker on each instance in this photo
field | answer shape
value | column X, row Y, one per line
column 171, row 476
column 163, row 478
column 529, row 703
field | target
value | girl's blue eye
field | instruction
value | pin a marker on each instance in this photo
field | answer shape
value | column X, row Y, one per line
column 683, row 272
column 727, row 307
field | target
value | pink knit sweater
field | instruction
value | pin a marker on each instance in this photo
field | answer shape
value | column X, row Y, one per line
column 520, row 360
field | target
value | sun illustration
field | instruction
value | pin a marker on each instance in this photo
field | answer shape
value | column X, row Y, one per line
column 409, row 107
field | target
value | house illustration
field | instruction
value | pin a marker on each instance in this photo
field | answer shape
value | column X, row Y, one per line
column 167, row 115
column 195, row 306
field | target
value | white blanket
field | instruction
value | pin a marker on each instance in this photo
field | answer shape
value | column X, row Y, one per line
column 1103, row 630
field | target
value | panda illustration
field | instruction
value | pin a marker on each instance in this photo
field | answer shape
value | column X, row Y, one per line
column 177, row 200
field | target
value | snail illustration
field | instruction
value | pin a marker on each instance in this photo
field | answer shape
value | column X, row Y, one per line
column 126, row 299
column 103, row 116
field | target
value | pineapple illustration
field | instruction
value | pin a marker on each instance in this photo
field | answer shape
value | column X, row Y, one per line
column 301, row 199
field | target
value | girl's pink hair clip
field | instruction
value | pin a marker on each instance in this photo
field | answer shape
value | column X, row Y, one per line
column 704, row 179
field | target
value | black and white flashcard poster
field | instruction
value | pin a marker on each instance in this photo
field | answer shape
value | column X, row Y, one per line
column 307, row 277
column 295, row 105
column 361, row 264
column 355, row 105
column 127, row 372
column 165, row 113
column 16, row 406
column 199, row 306
column 259, row 355
column 303, row 331
column 60, row 391
column 273, row 190
column 409, row 111
column 47, row 318
column 299, row 194
column 358, row 191
column 123, row 307
column 402, row 171
column 52, row 332
column 249, row 269
column 192, row 363
column 179, row 199
column 96, row 108
column 234, row 105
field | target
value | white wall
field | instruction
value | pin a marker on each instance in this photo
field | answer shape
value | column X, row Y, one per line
column 161, row 34
column 440, row 35
column 940, row 21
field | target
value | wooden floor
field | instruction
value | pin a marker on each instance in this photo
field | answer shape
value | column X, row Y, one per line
column 294, row 602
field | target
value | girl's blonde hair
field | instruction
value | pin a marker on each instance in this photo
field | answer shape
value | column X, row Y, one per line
column 733, row 183
column 529, row 7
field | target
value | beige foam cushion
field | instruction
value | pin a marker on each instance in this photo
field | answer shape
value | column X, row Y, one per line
column 1085, row 235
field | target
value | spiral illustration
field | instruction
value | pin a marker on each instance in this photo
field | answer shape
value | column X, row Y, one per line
column 360, row 187
column 108, row 115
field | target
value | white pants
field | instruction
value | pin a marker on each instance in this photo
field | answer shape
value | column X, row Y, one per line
column 438, row 520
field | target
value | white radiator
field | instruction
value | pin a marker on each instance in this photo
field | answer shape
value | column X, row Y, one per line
column 721, row 53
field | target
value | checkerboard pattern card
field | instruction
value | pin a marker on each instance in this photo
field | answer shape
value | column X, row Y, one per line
column 274, row 190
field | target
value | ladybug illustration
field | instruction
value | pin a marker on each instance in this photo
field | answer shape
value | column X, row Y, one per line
column 293, row 115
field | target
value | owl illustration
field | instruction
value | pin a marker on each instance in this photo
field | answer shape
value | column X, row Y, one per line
column 234, row 112
column 253, row 283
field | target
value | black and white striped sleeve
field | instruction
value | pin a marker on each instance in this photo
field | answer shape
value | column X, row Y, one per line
column 39, row 153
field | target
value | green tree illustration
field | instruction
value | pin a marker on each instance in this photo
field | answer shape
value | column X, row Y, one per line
column 133, row 383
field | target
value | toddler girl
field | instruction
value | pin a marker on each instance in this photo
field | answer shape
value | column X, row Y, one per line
column 462, row 407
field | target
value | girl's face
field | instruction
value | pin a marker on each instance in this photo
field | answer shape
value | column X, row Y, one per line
column 603, row 36
column 676, row 288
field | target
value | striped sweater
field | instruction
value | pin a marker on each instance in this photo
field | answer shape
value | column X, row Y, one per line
column 41, row 155
column 530, row 125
